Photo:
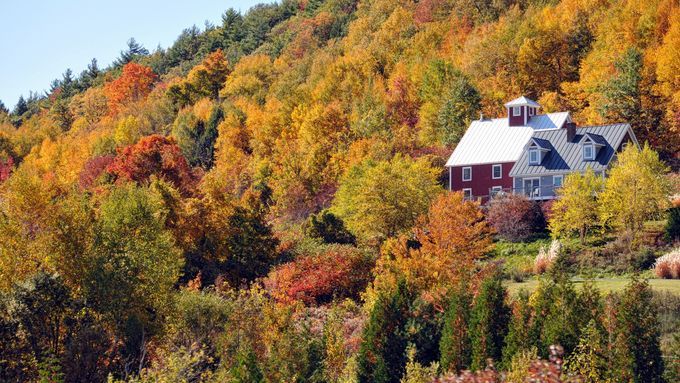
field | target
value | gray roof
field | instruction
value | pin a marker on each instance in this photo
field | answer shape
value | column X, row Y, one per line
column 566, row 156
column 519, row 101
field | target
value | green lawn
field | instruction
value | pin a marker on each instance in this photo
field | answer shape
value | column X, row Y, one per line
column 605, row 284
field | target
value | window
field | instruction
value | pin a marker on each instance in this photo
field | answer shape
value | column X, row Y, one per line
column 557, row 181
column 497, row 171
column 588, row 152
column 532, row 111
column 533, row 157
column 516, row 110
column 467, row 173
column 532, row 187
column 467, row 194
column 495, row 190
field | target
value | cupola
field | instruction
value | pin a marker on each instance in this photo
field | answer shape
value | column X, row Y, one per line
column 520, row 110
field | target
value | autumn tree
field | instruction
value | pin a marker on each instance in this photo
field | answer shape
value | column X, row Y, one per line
column 134, row 84
column 635, row 190
column 153, row 155
column 380, row 199
column 575, row 209
column 515, row 217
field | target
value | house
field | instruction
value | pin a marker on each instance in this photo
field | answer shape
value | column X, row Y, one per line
column 530, row 153
column 550, row 155
column 488, row 150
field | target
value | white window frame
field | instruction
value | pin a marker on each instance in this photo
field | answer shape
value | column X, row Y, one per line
column 495, row 190
column 538, row 188
column 561, row 178
column 493, row 171
column 463, row 174
column 516, row 111
column 592, row 152
column 467, row 194
column 538, row 157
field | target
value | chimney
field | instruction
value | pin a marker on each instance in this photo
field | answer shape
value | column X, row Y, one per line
column 571, row 131
column 481, row 116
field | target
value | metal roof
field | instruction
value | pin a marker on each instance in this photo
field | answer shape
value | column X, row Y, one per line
column 519, row 101
column 566, row 156
column 596, row 138
column 494, row 141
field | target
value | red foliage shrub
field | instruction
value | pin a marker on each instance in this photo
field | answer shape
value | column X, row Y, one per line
column 154, row 155
column 340, row 271
column 6, row 166
column 515, row 217
column 134, row 84
column 93, row 169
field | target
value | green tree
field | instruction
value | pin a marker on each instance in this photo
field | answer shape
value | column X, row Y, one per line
column 590, row 358
column 380, row 199
column 635, row 191
column 636, row 333
column 488, row 322
column 575, row 209
column 518, row 340
column 622, row 93
column 382, row 354
column 454, row 346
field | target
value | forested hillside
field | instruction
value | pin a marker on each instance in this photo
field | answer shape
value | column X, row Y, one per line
column 263, row 200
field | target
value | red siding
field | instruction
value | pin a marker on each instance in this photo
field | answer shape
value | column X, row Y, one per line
column 516, row 120
column 481, row 179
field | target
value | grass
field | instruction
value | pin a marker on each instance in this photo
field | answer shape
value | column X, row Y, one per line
column 605, row 285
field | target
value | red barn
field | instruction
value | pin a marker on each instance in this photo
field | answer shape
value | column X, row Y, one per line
column 482, row 160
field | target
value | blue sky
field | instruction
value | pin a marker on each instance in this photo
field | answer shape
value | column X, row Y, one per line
column 39, row 40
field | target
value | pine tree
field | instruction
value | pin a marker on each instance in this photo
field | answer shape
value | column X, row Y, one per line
column 454, row 346
column 637, row 336
column 518, row 338
column 488, row 322
column 3, row 108
column 382, row 355
column 133, row 51
column 21, row 107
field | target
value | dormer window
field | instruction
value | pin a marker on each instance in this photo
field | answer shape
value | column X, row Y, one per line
column 532, row 111
column 516, row 111
column 534, row 157
column 588, row 152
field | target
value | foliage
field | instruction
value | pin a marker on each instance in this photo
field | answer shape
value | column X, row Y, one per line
column 334, row 273
column 454, row 346
column 329, row 228
column 134, row 84
column 154, row 155
column 668, row 265
column 575, row 209
column 381, row 199
column 488, row 322
column 672, row 225
column 515, row 218
column 635, row 189
column 382, row 355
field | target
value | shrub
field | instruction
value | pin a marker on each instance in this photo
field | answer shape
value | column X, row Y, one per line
column 545, row 259
column 515, row 217
column 668, row 265
column 339, row 271
column 673, row 223
column 328, row 227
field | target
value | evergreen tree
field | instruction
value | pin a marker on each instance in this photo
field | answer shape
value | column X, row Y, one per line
column 590, row 359
column 518, row 338
column 21, row 107
column 3, row 108
column 206, row 141
column 134, row 50
column 454, row 346
column 382, row 354
column 488, row 322
column 561, row 320
column 622, row 93
column 232, row 27
column 637, row 336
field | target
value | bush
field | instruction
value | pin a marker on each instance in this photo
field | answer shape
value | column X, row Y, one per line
column 668, row 266
column 339, row 271
column 329, row 228
column 673, row 223
column 515, row 217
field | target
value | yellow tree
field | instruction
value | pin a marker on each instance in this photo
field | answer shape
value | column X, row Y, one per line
column 635, row 191
column 575, row 209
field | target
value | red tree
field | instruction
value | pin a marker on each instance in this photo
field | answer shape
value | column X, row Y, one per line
column 93, row 169
column 134, row 84
column 154, row 155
